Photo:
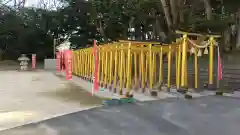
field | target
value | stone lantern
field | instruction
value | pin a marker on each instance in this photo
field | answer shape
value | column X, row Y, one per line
column 23, row 62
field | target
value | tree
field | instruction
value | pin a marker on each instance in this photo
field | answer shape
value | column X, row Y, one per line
column 25, row 29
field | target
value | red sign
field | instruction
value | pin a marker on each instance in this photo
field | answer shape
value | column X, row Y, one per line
column 33, row 61
column 58, row 61
column 68, row 63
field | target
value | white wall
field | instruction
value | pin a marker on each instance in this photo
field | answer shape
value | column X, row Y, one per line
column 50, row 64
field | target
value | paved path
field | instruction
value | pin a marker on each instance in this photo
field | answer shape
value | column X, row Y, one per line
column 202, row 116
column 27, row 97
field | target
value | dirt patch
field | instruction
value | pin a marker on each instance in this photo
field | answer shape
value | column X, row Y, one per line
column 72, row 93
column 8, row 65
column 8, row 62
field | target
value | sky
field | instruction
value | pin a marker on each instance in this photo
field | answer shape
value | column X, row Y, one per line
column 27, row 2
column 31, row 2
column 50, row 3
column 35, row 3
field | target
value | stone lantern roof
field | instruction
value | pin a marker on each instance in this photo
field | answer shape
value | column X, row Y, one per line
column 23, row 57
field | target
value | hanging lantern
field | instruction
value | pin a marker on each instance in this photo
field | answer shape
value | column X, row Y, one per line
column 192, row 50
column 199, row 53
column 206, row 50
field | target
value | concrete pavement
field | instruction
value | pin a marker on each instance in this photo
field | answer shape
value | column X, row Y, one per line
column 28, row 97
column 211, row 115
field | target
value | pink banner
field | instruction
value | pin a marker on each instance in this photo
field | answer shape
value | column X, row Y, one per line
column 68, row 64
column 62, row 59
column 58, row 61
column 219, row 66
column 33, row 61
column 96, row 63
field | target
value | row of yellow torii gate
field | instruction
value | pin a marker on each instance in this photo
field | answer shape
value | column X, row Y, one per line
column 126, row 66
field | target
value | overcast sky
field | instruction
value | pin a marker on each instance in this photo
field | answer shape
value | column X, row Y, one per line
column 31, row 2
column 27, row 2
column 35, row 3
